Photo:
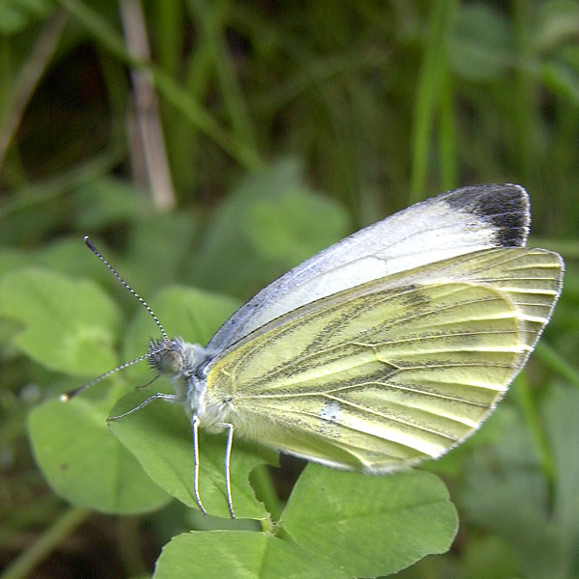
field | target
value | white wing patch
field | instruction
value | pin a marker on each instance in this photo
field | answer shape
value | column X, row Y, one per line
column 331, row 411
column 452, row 224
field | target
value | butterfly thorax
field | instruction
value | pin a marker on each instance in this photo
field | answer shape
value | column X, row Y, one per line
column 184, row 363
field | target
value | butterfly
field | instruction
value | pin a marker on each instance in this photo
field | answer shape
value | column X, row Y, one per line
column 384, row 350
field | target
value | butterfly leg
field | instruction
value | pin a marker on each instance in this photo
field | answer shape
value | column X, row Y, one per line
column 159, row 396
column 228, row 467
column 195, row 424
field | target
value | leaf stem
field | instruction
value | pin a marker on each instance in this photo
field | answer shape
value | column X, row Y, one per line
column 533, row 420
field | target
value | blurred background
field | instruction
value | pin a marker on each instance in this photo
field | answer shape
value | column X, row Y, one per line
column 214, row 145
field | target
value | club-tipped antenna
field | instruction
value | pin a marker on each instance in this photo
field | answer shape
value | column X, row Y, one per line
column 93, row 248
column 73, row 393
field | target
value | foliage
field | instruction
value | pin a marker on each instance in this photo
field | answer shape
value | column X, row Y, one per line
column 286, row 126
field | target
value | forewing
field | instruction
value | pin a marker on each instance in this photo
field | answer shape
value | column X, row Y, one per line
column 395, row 371
column 454, row 223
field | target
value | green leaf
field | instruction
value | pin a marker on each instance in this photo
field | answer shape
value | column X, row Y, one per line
column 13, row 259
column 84, row 464
column 242, row 555
column 106, row 202
column 337, row 524
column 289, row 228
column 157, row 248
column 269, row 223
column 70, row 256
column 68, row 326
column 370, row 525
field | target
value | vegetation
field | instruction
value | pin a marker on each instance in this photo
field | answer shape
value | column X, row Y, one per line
column 256, row 134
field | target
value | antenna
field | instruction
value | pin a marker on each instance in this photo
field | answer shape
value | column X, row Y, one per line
column 68, row 395
column 73, row 393
column 93, row 248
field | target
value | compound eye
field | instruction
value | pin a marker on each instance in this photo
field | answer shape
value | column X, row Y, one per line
column 169, row 363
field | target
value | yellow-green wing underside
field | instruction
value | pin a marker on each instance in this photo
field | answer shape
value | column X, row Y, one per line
column 393, row 371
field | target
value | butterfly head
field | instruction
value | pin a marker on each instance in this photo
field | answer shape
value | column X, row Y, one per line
column 166, row 356
column 183, row 363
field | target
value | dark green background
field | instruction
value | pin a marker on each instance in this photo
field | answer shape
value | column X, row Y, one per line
column 286, row 125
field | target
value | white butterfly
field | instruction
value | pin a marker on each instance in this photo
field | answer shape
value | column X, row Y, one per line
column 386, row 349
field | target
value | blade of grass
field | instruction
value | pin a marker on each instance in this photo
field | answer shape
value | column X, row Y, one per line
column 191, row 109
column 211, row 17
column 432, row 73
column 28, row 79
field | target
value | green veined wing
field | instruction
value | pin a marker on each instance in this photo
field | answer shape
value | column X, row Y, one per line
column 394, row 371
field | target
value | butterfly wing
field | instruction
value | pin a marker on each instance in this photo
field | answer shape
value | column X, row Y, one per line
column 454, row 223
column 394, row 371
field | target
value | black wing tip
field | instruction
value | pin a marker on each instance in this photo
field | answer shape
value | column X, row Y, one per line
column 504, row 206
